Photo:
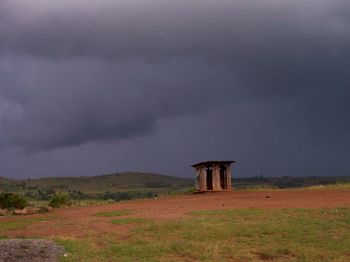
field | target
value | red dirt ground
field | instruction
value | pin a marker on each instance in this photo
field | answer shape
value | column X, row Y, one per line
column 80, row 222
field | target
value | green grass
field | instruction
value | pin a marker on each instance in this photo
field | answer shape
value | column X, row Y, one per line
column 267, row 187
column 114, row 213
column 228, row 235
column 335, row 186
column 18, row 224
column 123, row 221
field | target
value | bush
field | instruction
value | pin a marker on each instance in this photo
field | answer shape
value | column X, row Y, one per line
column 10, row 200
column 59, row 200
column 45, row 194
column 43, row 209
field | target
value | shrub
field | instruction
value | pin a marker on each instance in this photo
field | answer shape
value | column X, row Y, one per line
column 59, row 200
column 43, row 209
column 10, row 200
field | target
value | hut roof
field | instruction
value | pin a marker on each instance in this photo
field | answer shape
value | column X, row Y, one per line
column 205, row 163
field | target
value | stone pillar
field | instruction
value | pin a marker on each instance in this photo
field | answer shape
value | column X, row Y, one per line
column 229, row 177
column 203, row 179
column 197, row 179
column 216, row 178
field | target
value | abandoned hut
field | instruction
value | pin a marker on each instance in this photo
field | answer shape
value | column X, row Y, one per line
column 213, row 176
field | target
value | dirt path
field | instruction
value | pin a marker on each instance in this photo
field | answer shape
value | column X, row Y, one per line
column 80, row 222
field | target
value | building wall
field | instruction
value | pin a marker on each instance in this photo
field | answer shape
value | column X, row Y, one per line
column 201, row 176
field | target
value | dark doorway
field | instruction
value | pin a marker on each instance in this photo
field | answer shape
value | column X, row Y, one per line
column 223, row 177
column 209, row 170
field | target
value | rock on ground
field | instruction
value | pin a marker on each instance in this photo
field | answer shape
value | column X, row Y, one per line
column 29, row 250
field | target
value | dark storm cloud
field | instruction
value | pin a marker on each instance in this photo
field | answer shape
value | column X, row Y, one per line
column 220, row 30
column 74, row 72
column 70, row 103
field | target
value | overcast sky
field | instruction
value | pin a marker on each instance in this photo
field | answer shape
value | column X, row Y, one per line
column 101, row 86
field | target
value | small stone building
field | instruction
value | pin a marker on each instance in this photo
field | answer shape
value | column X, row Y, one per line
column 213, row 176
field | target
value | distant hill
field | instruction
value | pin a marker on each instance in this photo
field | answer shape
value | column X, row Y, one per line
column 287, row 181
column 96, row 184
column 3, row 179
column 131, row 185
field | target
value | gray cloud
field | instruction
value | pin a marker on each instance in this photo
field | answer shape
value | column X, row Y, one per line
column 70, row 103
column 73, row 73
column 221, row 30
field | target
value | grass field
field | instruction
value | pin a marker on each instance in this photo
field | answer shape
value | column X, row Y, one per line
column 287, row 226
column 228, row 235
column 335, row 186
column 21, row 223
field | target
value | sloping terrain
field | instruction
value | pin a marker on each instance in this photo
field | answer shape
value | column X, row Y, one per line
column 95, row 184
column 80, row 222
column 295, row 225
column 3, row 179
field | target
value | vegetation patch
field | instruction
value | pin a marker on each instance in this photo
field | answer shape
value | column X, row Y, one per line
column 335, row 186
column 60, row 199
column 122, row 221
column 112, row 187
column 227, row 235
column 263, row 183
column 10, row 200
column 18, row 224
column 114, row 213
